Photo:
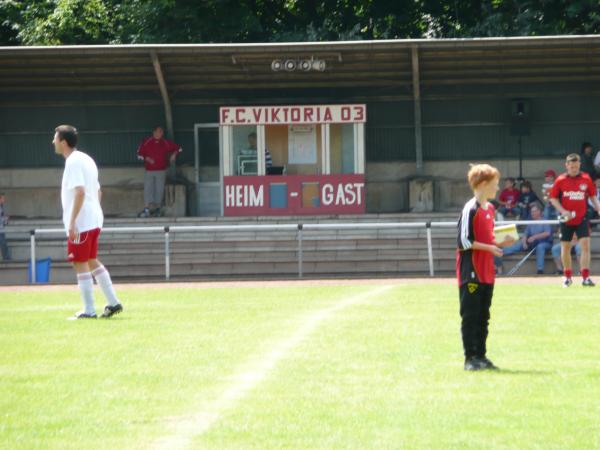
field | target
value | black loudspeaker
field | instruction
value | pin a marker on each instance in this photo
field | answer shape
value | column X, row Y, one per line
column 520, row 117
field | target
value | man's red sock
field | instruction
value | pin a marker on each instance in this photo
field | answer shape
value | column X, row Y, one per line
column 568, row 273
column 585, row 273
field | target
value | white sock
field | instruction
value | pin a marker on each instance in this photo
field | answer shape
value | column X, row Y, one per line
column 103, row 278
column 86, row 288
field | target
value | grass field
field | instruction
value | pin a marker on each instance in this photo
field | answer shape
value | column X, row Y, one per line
column 369, row 365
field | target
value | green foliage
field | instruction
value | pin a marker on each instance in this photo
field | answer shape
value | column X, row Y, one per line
column 51, row 22
column 59, row 22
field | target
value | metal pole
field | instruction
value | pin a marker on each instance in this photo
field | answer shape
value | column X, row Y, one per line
column 167, row 255
column 429, row 248
column 300, row 273
column 416, row 85
column 32, row 240
column 520, row 158
column 164, row 93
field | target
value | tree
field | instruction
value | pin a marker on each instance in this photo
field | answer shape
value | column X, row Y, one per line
column 51, row 22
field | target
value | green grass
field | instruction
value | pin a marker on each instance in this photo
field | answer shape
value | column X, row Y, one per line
column 383, row 373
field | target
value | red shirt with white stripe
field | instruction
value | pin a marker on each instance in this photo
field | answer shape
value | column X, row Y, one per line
column 573, row 193
column 475, row 224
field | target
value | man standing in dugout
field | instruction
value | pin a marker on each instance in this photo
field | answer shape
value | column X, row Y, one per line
column 475, row 264
column 156, row 152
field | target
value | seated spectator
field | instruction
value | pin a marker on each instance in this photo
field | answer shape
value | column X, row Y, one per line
column 591, row 212
column 3, row 223
column 550, row 212
column 536, row 236
column 252, row 146
column 508, row 199
column 587, row 160
column 597, row 163
column 526, row 199
column 575, row 250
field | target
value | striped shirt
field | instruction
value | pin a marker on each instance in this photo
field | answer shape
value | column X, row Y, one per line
column 475, row 224
column 268, row 158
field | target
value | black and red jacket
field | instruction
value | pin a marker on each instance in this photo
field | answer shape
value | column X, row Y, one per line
column 475, row 224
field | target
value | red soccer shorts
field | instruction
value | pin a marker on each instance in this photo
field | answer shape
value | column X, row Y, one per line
column 85, row 246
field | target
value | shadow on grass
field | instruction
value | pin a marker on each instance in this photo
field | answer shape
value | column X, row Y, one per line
column 521, row 372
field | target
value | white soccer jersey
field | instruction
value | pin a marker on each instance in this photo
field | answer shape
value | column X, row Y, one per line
column 81, row 170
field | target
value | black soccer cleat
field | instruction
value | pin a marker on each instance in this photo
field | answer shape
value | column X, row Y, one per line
column 110, row 311
column 487, row 364
column 473, row 364
column 567, row 282
column 82, row 315
column 588, row 282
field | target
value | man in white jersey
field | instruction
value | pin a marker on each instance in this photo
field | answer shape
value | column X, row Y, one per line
column 83, row 218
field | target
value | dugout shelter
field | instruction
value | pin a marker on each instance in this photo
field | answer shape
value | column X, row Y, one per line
column 430, row 107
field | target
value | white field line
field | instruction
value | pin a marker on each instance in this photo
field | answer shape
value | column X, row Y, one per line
column 186, row 428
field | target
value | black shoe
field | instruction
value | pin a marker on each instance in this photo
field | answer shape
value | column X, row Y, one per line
column 82, row 315
column 487, row 364
column 110, row 311
column 473, row 363
column 588, row 282
column 540, row 272
column 155, row 212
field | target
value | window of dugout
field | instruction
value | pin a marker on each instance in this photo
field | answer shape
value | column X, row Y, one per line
column 293, row 149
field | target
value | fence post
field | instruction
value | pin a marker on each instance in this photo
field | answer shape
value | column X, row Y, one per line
column 300, row 273
column 167, row 254
column 33, row 265
column 429, row 248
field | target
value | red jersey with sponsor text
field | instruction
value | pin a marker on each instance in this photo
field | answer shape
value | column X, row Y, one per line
column 475, row 224
column 573, row 192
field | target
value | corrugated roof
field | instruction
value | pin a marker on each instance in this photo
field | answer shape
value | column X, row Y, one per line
column 354, row 64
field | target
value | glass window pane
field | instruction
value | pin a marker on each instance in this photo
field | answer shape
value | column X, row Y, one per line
column 304, row 150
column 243, row 150
column 276, row 143
column 342, row 148
column 208, row 148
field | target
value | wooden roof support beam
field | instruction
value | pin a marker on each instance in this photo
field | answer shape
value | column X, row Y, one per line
column 417, row 109
column 164, row 93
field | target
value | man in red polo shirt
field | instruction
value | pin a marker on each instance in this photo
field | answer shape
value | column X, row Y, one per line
column 569, row 195
column 156, row 152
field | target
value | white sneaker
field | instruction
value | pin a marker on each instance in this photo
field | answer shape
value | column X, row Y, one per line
column 567, row 282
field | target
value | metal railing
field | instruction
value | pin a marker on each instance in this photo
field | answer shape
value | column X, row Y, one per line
column 299, row 228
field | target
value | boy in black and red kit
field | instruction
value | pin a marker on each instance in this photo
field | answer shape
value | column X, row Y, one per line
column 475, row 264
column 569, row 195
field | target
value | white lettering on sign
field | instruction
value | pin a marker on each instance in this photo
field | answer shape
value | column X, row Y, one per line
column 308, row 114
column 342, row 194
column 244, row 196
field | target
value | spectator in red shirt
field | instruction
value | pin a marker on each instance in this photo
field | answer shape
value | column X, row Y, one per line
column 509, row 198
column 156, row 152
column 569, row 195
